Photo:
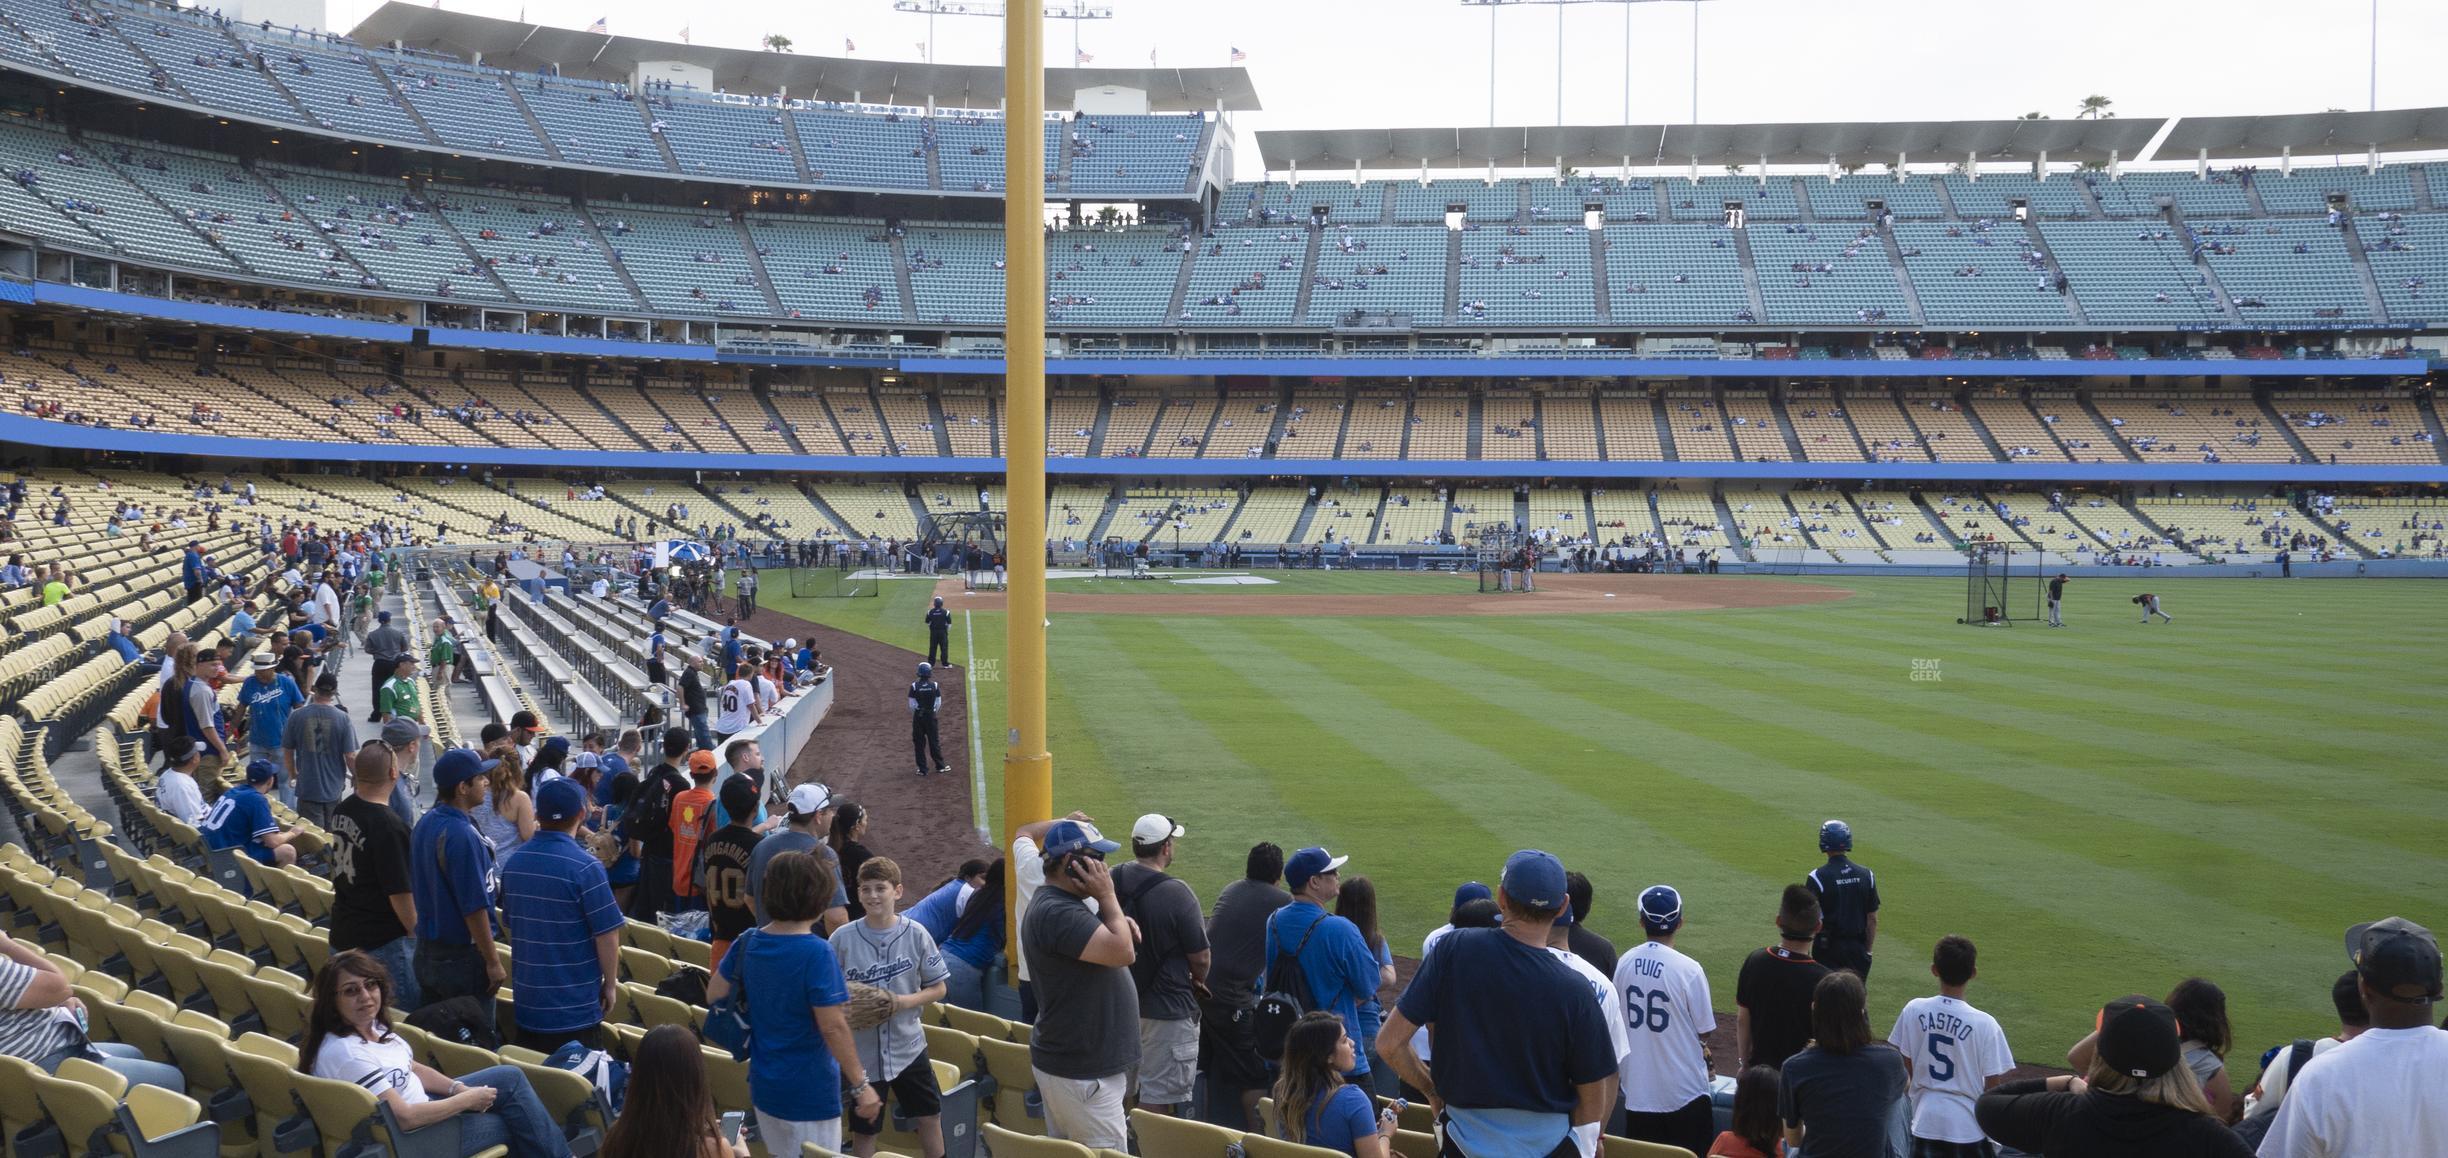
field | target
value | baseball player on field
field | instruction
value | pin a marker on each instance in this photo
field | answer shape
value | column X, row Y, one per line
column 2150, row 607
column 1954, row 1053
column 1665, row 1073
column 1848, row 902
column 2056, row 596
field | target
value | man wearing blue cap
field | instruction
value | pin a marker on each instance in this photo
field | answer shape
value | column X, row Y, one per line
column 1665, row 1076
column 1087, row 1036
column 1341, row 969
column 242, row 819
column 564, row 926
column 1522, row 1054
column 448, row 865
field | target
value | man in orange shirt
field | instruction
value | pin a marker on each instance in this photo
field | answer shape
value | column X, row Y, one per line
column 692, row 820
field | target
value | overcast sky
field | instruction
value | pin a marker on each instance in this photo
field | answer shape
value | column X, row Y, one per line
column 1385, row 63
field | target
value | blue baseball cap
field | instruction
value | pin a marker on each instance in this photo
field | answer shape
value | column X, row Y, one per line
column 1070, row 836
column 1309, row 862
column 1472, row 891
column 259, row 771
column 1661, row 908
column 553, row 744
column 458, row 766
column 560, row 799
column 1534, row 880
column 1835, row 836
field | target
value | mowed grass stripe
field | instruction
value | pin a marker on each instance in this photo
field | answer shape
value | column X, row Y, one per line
column 2099, row 713
column 2016, row 784
column 1991, row 860
column 1165, row 755
column 1507, row 804
column 2282, row 688
column 1341, row 793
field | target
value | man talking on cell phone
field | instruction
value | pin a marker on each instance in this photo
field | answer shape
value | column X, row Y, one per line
column 1087, row 1038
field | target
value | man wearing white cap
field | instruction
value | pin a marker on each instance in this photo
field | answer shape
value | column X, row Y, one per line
column 1170, row 970
column 803, row 830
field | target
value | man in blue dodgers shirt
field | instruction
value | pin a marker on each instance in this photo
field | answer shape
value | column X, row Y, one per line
column 242, row 819
column 1521, row 1051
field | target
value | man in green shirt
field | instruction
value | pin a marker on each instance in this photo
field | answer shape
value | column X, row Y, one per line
column 443, row 656
column 400, row 697
column 55, row 588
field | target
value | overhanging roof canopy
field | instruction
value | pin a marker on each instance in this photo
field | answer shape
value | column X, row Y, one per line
column 1849, row 143
column 522, row 47
column 2388, row 130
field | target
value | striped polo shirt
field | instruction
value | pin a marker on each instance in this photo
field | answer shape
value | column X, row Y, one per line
column 32, row 1034
column 556, row 901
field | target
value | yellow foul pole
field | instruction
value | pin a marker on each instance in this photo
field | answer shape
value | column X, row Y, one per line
column 1028, row 769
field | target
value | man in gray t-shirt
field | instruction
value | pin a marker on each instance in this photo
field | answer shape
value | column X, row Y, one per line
column 811, row 814
column 316, row 746
column 1170, row 971
column 1088, row 1011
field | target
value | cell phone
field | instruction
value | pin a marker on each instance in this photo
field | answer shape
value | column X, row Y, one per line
column 730, row 1126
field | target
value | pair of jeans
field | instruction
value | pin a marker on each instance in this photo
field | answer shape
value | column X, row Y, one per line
column 124, row 1060
column 698, row 728
column 966, row 984
column 447, row 971
column 399, row 956
column 518, row 1118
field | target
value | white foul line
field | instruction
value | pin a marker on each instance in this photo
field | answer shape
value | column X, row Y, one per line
column 977, row 752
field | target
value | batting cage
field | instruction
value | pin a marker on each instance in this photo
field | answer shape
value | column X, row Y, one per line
column 2001, row 586
column 975, row 540
column 842, row 580
column 1501, row 556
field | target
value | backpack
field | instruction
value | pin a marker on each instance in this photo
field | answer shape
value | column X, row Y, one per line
column 685, row 984
column 650, row 809
column 1285, row 1000
column 464, row 1020
column 609, row 1075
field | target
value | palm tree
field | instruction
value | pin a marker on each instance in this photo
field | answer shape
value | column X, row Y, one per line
column 2033, row 117
column 776, row 42
column 2094, row 107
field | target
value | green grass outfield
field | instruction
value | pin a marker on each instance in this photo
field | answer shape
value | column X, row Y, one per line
column 2105, row 808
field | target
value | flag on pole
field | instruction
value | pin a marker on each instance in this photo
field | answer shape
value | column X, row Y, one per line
column 922, row 49
column 1086, row 58
column 1151, row 58
column 684, row 34
column 848, row 45
column 1238, row 56
column 602, row 26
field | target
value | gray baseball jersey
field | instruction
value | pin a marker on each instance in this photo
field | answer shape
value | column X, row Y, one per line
column 899, row 960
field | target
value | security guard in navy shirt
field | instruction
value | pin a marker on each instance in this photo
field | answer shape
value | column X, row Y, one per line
column 939, row 634
column 1848, row 902
column 923, row 696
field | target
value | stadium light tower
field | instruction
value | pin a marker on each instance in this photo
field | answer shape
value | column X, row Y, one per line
column 1559, row 6
column 1075, row 12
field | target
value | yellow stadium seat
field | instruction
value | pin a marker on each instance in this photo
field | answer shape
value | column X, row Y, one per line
column 1170, row 1136
column 1003, row 1143
column 1261, row 1146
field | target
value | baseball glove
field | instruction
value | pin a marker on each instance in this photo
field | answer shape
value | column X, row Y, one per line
column 869, row 1006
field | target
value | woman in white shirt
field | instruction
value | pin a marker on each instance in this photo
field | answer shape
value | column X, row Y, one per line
column 347, row 1041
